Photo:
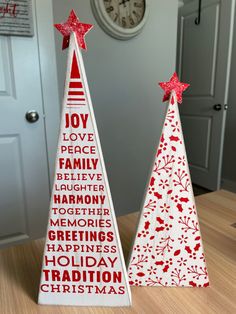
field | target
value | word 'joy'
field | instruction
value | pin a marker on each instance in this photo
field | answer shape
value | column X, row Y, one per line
column 76, row 120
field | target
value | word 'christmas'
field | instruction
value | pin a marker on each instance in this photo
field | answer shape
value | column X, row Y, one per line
column 80, row 289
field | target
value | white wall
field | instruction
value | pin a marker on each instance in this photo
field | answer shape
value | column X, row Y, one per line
column 123, row 78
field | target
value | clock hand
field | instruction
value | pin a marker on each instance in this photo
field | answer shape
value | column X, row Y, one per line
column 124, row 2
column 130, row 13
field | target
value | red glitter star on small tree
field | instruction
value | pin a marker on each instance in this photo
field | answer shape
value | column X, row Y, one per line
column 174, row 85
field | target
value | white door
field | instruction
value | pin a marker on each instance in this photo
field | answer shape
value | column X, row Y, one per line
column 24, row 178
column 204, row 55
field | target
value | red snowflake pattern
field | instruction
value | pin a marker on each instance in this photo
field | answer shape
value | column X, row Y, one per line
column 182, row 261
column 176, row 126
column 182, row 160
column 165, row 208
column 164, row 184
column 152, row 270
column 147, row 248
column 170, row 116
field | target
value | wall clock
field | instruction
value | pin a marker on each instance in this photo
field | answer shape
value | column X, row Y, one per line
column 122, row 19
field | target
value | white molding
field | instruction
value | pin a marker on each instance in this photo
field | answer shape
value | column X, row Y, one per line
column 49, row 81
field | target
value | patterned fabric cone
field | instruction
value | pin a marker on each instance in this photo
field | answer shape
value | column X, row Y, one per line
column 167, row 249
column 83, row 261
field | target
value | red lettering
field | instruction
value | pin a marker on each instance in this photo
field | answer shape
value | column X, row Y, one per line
column 76, row 120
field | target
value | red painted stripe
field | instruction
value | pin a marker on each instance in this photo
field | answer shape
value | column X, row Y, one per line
column 76, row 105
column 76, row 93
column 75, row 99
column 76, row 85
column 74, row 68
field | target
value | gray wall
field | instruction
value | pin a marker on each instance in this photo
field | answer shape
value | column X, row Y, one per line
column 229, row 168
column 123, row 78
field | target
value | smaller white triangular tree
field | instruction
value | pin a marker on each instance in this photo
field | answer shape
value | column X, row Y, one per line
column 83, row 261
column 167, row 249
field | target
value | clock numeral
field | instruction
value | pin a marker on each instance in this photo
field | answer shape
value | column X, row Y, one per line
column 136, row 14
column 110, row 9
column 131, row 20
column 116, row 17
column 123, row 22
column 138, row 5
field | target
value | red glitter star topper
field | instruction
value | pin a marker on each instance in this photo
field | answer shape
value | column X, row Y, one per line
column 73, row 25
column 174, row 85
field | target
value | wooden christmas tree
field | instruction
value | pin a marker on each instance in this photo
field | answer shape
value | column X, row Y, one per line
column 168, row 249
column 83, row 261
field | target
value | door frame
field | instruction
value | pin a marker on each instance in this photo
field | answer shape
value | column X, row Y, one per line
column 49, row 78
column 228, row 40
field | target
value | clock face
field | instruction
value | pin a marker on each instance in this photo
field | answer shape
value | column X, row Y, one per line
column 121, row 19
column 125, row 13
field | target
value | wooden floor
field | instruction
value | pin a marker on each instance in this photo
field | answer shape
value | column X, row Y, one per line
column 20, row 270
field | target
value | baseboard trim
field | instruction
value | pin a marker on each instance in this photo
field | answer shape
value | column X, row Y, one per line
column 228, row 185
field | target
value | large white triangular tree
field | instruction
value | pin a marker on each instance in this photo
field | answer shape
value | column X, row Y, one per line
column 83, row 261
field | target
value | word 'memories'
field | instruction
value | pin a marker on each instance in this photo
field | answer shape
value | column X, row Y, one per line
column 83, row 262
